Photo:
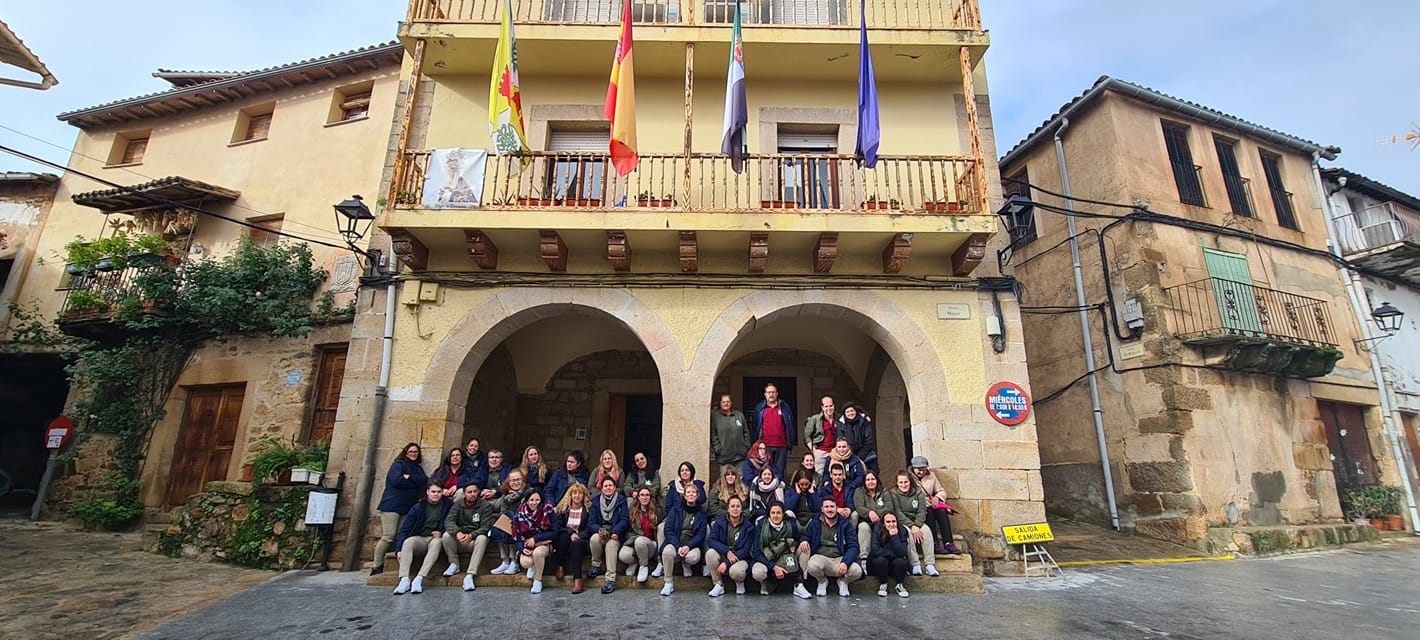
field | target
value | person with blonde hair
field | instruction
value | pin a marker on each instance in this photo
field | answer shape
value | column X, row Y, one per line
column 571, row 546
column 535, row 471
column 607, row 467
column 730, row 485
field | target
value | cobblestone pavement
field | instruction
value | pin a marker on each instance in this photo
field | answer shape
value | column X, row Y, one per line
column 1366, row 591
column 58, row 581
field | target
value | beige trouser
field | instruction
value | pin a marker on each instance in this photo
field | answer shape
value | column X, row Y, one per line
column 820, row 462
column 536, row 560
column 608, row 550
column 928, row 555
column 669, row 557
column 416, row 545
column 639, row 552
column 389, row 529
column 452, row 549
column 762, row 573
column 865, row 538
column 821, row 567
column 737, row 570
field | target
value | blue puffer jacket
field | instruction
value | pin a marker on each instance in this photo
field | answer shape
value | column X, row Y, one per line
column 895, row 547
column 620, row 516
column 415, row 519
column 401, row 493
column 559, row 482
column 843, row 534
column 466, row 476
column 801, row 502
column 676, row 535
column 744, row 542
column 673, row 495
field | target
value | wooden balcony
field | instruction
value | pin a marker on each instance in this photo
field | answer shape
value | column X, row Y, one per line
column 962, row 15
column 706, row 183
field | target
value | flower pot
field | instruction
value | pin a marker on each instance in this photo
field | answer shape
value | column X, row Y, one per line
column 534, row 202
column 655, row 203
column 299, row 475
column 936, row 207
column 583, row 202
column 246, row 472
column 1378, row 523
column 879, row 206
column 314, row 477
column 76, row 270
column 104, row 264
column 147, row 259
column 1395, row 522
column 777, row 204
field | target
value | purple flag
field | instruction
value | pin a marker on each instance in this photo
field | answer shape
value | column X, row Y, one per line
column 869, row 133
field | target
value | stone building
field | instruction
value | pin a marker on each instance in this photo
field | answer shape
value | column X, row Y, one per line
column 1223, row 337
column 572, row 308
column 274, row 147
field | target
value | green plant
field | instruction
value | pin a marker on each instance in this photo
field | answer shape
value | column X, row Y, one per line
column 82, row 300
column 152, row 243
column 112, row 506
column 272, row 458
column 406, row 197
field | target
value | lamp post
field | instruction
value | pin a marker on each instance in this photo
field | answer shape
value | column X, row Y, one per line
column 1387, row 319
column 353, row 219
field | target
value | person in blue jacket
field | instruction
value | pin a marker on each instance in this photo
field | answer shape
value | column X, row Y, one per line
column 421, row 532
column 609, row 522
column 774, row 558
column 853, row 467
column 574, row 472
column 838, row 489
column 731, row 541
column 773, row 423
column 453, row 474
column 888, row 558
column 829, row 549
column 801, row 498
column 535, row 471
column 493, row 474
column 685, row 533
column 403, row 484
column 685, row 476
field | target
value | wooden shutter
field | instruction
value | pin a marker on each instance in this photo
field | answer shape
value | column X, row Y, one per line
column 264, row 236
column 817, row 141
column 258, row 126
column 355, row 105
column 594, row 140
column 133, row 151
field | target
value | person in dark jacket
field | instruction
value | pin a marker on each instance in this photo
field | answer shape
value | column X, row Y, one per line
column 731, row 542
column 610, row 520
column 534, row 527
column 685, row 476
column 801, row 498
column 774, row 557
column 474, row 457
column 642, row 475
column 403, row 484
column 510, row 496
column 764, row 489
column 840, row 491
column 573, row 472
column 493, row 474
column 570, row 547
column 828, row 548
column 888, row 558
column 773, row 422
column 421, row 532
column 756, row 461
column 857, row 428
column 466, row 528
column 685, row 534
column 453, row 474
column 535, row 471
column 853, row 467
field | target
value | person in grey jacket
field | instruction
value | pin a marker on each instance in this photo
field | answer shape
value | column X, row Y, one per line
column 729, row 433
column 466, row 529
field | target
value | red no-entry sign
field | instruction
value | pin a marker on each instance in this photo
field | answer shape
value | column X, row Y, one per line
column 58, row 433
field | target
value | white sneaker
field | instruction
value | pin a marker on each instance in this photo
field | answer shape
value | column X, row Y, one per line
column 739, row 588
column 501, row 569
column 763, row 589
column 403, row 587
column 882, row 591
column 668, row 589
column 641, row 574
column 717, row 591
column 842, row 587
column 468, row 583
column 537, row 586
column 631, row 569
column 801, row 592
column 932, row 570
column 901, row 591
column 705, row 570
column 418, row 585
column 822, row 589
column 685, row 569
column 660, row 571
column 917, row 571
column 452, row 570
column 530, row 573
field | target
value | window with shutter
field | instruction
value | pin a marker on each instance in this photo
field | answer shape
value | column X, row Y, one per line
column 264, row 235
column 133, row 151
column 258, row 126
column 808, row 181
column 355, row 106
column 579, row 169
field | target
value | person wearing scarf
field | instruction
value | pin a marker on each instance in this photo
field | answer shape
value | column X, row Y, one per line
column 774, row 558
column 765, row 488
column 610, row 521
column 534, row 527
column 756, row 460
column 857, row 428
column 853, row 467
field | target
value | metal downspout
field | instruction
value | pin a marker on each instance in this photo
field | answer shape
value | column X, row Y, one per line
column 364, row 488
column 1354, row 291
column 1095, row 409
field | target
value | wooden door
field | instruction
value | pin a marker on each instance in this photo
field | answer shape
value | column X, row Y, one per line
column 205, row 441
column 329, row 379
column 1407, row 424
column 1233, row 291
column 1351, row 458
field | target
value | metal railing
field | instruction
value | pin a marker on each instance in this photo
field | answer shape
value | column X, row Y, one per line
column 706, row 182
column 1286, row 213
column 108, row 288
column 1376, row 226
column 1189, row 178
column 1215, row 307
column 881, row 14
column 1240, row 195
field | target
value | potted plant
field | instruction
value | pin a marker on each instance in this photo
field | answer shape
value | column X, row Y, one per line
column 150, row 251
column 645, row 199
column 939, row 206
column 272, row 459
column 310, row 465
column 873, row 203
column 83, row 301
column 315, row 471
column 777, row 204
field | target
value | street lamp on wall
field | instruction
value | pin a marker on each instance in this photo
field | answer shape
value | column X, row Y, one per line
column 353, row 219
column 1387, row 319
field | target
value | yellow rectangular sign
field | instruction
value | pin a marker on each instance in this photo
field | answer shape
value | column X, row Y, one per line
column 1028, row 533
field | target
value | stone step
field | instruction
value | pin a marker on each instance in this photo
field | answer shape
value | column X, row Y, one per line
column 152, row 536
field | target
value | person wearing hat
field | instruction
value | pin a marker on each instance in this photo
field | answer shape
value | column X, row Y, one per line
column 937, row 508
column 857, row 428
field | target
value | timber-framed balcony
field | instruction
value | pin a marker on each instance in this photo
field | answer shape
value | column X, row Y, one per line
column 1383, row 238
column 1250, row 328
column 962, row 15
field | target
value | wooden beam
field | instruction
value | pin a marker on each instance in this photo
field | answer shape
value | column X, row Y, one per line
column 896, row 253
column 689, row 252
column 973, row 125
column 481, row 249
column 409, row 249
column 618, row 251
column 330, row 72
column 406, row 119
column 554, row 250
column 825, row 252
column 969, row 254
column 758, row 251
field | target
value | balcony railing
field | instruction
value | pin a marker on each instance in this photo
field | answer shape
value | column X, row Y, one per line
column 1189, row 178
column 705, row 182
column 1376, row 226
column 1219, row 308
column 881, row 14
column 1240, row 195
column 100, row 291
column 1286, row 213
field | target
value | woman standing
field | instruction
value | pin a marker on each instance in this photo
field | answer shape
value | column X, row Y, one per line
column 573, row 472
column 685, row 533
column 729, row 486
column 534, row 527
column 511, row 496
column 534, row 470
column 422, row 529
column 606, row 468
column 857, row 428
column 570, row 547
column 643, row 536
column 888, row 559
column 685, row 476
column 403, row 482
column 610, row 521
column 453, row 474
column 773, row 551
column 869, row 505
column 764, row 489
column 732, row 539
column 910, row 504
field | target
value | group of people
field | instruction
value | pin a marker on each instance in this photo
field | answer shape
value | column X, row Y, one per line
column 835, row 520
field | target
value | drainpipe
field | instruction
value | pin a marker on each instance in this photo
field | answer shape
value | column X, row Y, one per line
column 1095, row 409
column 364, row 489
column 1362, row 311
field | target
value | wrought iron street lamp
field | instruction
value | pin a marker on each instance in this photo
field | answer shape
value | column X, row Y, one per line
column 1387, row 319
column 353, row 219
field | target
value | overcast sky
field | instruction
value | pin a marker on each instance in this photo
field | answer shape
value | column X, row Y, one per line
column 1324, row 71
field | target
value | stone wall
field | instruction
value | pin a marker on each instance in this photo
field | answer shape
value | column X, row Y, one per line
column 239, row 523
column 553, row 417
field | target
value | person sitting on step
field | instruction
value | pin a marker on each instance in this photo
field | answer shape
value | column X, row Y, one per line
column 731, row 545
column 534, row 527
column 610, row 521
column 685, row 528
column 466, row 528
column 423, row 526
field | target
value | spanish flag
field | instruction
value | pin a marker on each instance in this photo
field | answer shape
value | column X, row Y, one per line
column 505, row 101
column 621, row 101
